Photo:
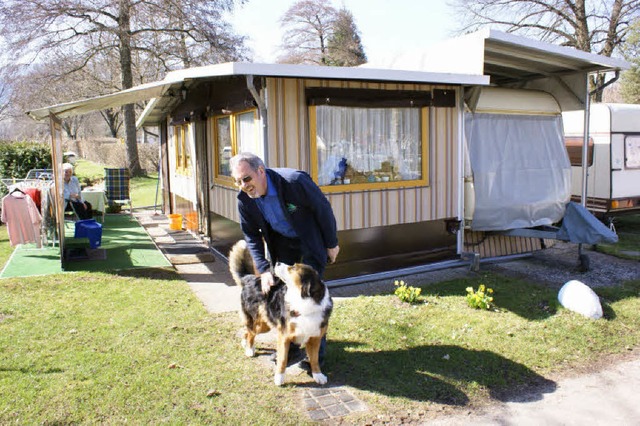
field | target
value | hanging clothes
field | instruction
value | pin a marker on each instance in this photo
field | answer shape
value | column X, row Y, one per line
column 20, row 214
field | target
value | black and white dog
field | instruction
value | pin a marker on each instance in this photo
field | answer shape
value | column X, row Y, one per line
column 298, row 307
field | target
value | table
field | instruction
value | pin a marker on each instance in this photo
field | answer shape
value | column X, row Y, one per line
column 97, row 198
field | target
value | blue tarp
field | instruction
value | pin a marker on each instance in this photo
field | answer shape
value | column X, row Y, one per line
column 580, row 226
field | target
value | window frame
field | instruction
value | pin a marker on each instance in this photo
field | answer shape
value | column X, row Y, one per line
column 629, row 161
column 182, row 154
column 233, row 130
column 425, row 139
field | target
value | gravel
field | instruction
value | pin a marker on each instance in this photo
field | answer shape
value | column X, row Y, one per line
column 553, row 266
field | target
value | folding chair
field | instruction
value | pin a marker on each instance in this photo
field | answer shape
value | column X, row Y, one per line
column 70, row 214
column 116, row 186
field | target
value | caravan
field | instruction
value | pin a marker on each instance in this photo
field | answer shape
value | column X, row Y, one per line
column 613, row 157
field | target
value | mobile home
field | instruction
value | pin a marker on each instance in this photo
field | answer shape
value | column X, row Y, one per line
column 386, row 146
column 613, row 157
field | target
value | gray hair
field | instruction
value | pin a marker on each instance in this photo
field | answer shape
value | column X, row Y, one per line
column 67, row 166
column 253, row 160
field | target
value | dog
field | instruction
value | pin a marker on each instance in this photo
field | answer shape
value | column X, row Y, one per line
column 298, row 306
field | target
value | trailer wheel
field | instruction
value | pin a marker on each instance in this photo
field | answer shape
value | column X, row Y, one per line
column 584, row 262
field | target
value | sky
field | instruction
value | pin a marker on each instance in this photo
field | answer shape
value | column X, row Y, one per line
column 386, row 26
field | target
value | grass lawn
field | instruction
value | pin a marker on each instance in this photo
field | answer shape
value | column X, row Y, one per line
column 628, row 230
column 100, row 348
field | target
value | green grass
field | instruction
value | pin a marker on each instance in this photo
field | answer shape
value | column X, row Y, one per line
column 98, row 348
column 88, row 171
column 5, row 248
column 143, row 191
column 628, row 246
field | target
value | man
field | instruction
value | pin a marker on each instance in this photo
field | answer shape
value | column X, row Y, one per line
column 287, row 211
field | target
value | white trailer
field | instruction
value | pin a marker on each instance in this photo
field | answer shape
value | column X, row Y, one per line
column 613, row 157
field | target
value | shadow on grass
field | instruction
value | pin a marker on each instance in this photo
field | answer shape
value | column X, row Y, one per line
column 440, row 374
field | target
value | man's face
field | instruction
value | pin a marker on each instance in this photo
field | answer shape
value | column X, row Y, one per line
column 253, row 183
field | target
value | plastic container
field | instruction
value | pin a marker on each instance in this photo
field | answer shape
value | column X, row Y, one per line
column 90, row 229
column 175, row 222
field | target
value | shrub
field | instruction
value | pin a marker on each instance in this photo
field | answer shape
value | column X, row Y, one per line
column 17, row 158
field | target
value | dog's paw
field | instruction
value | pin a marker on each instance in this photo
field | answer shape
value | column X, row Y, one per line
column 320, row 378
column 278, row 379
column 250, row 352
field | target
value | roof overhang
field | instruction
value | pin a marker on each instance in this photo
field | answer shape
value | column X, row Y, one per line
column 135, row 94
column 164, row 94
column 513, row 61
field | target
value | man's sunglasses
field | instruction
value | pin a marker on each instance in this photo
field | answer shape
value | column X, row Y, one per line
column 245, row 179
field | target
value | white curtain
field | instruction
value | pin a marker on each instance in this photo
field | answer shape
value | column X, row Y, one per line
column 247, row 130
column 521, row 170
column 376, row 142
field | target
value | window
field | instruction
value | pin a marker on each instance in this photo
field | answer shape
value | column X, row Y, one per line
column 367, row 147
column 632, row 152
column 182, row 148
column 574, row 149
column 234, row 133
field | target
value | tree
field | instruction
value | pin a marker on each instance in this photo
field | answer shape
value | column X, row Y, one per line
column 344, row 45
column 177, row 33
column 598, row 26
column 630, row 81
column 309, row 24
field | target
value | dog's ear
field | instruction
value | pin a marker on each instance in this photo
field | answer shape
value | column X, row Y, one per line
column 311, row 284
column 305, row 289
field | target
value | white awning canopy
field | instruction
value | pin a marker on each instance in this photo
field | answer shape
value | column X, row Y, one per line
column 167, row 91
column 512, row 61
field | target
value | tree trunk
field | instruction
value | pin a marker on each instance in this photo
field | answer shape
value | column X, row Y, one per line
column 124, row 34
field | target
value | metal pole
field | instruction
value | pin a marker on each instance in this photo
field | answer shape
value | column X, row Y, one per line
column 585, row 150
column 585, row 143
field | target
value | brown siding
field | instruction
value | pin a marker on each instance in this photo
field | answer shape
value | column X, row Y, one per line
column 488, row 245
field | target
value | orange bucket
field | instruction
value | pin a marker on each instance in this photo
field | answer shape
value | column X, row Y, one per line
column 175, row 222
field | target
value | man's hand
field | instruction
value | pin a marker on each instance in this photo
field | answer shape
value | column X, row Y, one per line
column 332, row 253
column 266, row 280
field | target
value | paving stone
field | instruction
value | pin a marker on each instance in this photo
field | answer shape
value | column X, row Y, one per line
column 332, row 402
column 318, row 415
column 337, row 410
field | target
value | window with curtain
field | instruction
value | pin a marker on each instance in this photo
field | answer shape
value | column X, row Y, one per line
column 632, row 152
column 234, row 133
column 368, row 147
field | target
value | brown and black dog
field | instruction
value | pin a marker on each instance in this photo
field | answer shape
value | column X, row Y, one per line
column 298, row 306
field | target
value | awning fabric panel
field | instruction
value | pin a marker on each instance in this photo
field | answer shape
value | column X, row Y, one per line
column 521, row 170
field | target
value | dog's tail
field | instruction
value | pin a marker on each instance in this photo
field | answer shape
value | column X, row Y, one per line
column 240, row 262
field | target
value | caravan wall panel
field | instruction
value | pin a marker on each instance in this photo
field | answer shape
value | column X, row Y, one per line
column 289, row 147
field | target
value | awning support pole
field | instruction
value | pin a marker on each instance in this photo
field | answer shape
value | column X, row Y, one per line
column 262, row 108
column 585, row 139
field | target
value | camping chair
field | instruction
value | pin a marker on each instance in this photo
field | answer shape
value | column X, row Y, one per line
column 70, row 214
column 116, row 186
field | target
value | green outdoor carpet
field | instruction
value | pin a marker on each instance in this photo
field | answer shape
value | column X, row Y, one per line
column 125, row 245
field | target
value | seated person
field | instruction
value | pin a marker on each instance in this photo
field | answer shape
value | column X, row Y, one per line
column 73, row 194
